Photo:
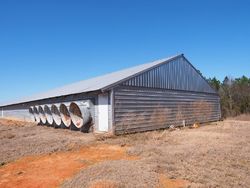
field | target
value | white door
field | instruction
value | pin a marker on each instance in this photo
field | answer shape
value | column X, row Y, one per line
column 103, row 113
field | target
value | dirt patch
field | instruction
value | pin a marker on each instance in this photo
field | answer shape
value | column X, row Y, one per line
column 52, row 170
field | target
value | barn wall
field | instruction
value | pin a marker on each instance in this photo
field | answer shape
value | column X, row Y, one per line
column 177, row 74
column 18, row 114
column 101, row 111
column 21, row 111
column 140, row 109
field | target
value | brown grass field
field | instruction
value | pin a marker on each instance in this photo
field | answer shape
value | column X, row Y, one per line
column 212, row 155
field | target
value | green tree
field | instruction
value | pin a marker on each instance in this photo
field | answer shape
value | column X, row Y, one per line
column 215, row 83
column 235, row 96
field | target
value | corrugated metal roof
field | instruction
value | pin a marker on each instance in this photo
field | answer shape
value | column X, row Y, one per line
column 98, row 83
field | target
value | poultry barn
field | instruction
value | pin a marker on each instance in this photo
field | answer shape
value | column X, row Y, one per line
column 147, row 97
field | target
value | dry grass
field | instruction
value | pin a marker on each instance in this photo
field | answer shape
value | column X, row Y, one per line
column 242, row 117
column 210, row 156
column 215, row 155
column 18, row 139
column 123, row 172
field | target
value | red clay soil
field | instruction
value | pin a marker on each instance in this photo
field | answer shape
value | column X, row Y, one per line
column 52, row 169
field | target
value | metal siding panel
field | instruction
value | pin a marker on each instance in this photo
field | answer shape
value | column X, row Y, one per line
column 177, row 74
column 21, row 112
column 140, row 109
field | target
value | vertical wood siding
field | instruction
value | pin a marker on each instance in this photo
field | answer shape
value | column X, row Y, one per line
column 140, row 109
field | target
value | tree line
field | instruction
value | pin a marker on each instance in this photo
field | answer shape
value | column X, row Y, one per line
column 234, row 95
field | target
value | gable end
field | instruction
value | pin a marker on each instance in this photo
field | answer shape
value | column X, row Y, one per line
column 177, row 74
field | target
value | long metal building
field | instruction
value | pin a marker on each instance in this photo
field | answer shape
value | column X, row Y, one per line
column 146, row 97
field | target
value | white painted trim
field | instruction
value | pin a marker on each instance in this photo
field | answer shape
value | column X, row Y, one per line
column 103, row 113
column 111, row 111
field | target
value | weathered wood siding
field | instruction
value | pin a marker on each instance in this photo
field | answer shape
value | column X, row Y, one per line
column 140, row 109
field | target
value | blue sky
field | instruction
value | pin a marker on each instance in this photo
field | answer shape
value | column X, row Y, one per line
column 45, row 44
